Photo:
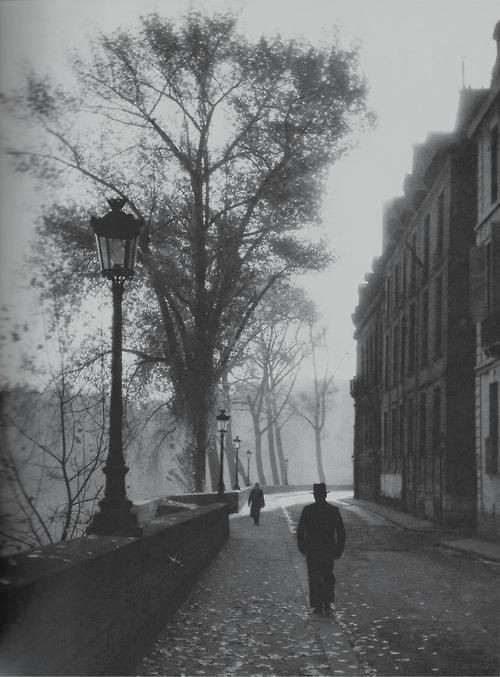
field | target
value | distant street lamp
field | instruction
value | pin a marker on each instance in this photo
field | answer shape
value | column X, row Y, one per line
column 249, row 453
column 116, row 235
column 286, row 472
column 222, row 421
column 236, row 445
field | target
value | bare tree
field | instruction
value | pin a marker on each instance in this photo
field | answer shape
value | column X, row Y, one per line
column 266, row 376
column 311, row 405
column 53, row 444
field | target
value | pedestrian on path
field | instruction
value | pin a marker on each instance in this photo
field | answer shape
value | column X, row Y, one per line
column 321, row 538
column 256, row 502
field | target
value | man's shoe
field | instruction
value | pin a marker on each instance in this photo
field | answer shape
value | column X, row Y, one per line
column 317, row 611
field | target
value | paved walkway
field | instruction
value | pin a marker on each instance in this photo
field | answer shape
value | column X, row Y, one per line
column 477, row 547
column 249, row 614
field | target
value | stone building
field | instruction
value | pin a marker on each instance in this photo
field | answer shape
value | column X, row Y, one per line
column 414, row 384
column 485, row 304
column 366, row 386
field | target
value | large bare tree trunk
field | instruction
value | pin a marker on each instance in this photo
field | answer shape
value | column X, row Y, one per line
column 270, row 431
column 279, row 439
column 258, row 458
column 319, row 454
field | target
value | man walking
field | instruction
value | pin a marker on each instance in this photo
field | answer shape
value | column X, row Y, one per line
column 321, row 538
column 256, row 502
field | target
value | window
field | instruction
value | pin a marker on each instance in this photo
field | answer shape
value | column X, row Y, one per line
column 394, row 432
column 436, row 418
column 494, row 163
column 422, row 434
column 492, row 439
column 396, row 285
column 438, row 317
column 395, row 354
column 413, row 265
column 440, row 225
column 425, row 328
column 386, row 434
column 410, row 443
column 376, row 355
column 411, row 339
column 401, row 446
column 489, row 278
column 387, row 361
column 427, row 241
column 404, row 331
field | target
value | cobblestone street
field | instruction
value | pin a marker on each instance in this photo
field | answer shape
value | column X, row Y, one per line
column 249, row 614
column 411, row 607
column 404, row 605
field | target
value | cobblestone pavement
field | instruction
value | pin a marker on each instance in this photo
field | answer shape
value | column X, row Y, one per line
column 248, row 615
column 411, row 607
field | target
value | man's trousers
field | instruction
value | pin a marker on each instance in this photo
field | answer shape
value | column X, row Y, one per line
column 321, row 579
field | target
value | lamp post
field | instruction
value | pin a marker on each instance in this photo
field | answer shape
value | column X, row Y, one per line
column 249, row 453
column 236, row 445
column 222, row 421
column 286, row 472
column 116, row 235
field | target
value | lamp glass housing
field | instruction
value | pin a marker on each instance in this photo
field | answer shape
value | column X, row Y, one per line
column 116, row 255
column 222, row 421
column 236, row 442
column 117, row 236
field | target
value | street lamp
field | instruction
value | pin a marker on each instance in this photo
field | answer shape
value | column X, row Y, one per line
column 249, row 453
column 116, row 235
column 286, row 472
column 222, row 421
column 236, row 445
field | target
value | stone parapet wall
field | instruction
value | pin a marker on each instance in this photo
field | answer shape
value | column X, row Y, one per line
column 488, row 526
column 91, row 605
column 233, row 499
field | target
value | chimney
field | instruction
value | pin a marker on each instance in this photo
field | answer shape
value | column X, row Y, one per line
column 495, row 74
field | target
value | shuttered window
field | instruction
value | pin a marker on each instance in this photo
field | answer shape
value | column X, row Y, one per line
column 438, row 317
column 491, row 441
column 423, row 424
column 493, row 270
column 425, row 328
column 494, row 164
column 478, row 293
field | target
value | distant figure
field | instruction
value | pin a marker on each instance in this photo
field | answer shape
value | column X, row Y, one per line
column 256, row 503
column 321, row 538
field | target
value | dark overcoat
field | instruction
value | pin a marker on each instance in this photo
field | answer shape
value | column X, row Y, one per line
column 256, row 501
column 321, row 537
column 321, row 530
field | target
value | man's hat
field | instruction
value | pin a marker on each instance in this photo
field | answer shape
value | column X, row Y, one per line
column 320, row 488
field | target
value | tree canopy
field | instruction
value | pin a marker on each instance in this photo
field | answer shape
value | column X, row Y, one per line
column 221, row 146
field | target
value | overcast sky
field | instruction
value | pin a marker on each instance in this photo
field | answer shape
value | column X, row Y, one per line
column 414, row 53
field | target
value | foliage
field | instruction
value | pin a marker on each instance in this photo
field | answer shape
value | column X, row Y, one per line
column 222, row 148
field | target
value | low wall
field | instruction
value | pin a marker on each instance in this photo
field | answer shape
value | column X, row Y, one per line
column 233, row 499
column 91, row 606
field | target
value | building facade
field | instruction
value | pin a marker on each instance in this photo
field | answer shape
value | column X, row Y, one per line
column 414, row 313
column 366, row 387
column 485, row 304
